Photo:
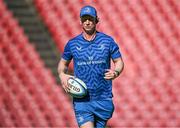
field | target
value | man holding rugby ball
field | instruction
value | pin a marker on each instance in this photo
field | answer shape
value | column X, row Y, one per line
column 92, row 52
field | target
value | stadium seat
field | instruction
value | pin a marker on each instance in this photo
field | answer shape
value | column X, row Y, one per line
column 27, row 88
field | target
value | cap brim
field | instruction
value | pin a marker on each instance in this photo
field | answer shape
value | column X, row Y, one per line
column 88, row 15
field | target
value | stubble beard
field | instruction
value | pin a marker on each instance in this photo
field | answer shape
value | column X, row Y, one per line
column 90, row 32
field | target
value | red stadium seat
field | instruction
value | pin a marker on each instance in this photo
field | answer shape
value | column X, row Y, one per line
column 27, row 86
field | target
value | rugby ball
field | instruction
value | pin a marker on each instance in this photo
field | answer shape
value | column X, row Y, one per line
column 78, row 88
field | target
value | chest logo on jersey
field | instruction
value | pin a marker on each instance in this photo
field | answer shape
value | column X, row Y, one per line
column 78, row 48
column 102, row 47
column 90, row 57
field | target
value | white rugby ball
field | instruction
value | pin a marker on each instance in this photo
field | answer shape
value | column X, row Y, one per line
column 78, row 88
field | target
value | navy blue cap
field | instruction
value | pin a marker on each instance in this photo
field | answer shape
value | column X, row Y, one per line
column 88, row 10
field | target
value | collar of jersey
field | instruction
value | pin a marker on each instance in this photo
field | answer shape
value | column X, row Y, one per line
column 90, row 40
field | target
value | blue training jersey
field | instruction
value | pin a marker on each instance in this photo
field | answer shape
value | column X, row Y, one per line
column 91, row 59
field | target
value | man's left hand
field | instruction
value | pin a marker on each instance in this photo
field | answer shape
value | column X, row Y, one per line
column 110, row 74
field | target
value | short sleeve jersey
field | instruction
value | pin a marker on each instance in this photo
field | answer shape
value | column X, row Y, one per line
column 91, row 59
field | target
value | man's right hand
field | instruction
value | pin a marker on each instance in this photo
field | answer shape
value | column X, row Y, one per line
column 64, row 78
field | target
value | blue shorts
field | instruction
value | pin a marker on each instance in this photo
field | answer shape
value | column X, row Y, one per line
column 95, row 111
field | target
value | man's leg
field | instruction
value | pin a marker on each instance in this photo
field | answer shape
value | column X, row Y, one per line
column 84, row 116
column 103, row 112
column 99, row 123
column 88, row 124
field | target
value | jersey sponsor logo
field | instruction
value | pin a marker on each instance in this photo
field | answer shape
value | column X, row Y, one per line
column 91, row 62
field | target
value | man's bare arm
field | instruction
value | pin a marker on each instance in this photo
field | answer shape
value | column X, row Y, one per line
column 119, row 66
column 62, row 71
